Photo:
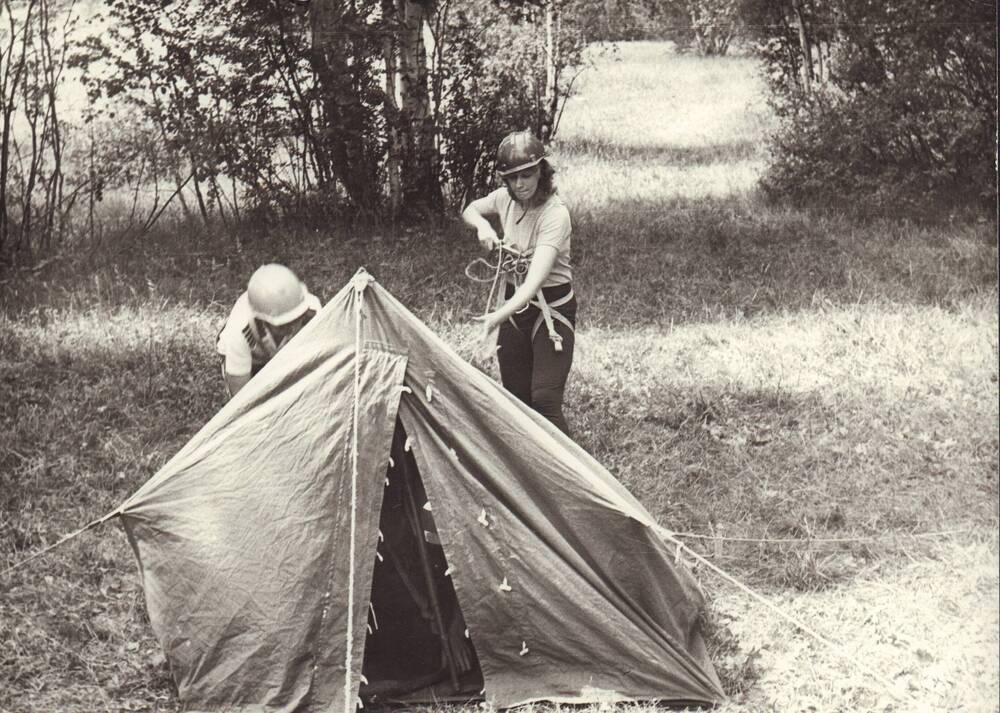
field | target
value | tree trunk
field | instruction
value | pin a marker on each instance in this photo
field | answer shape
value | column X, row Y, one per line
column 420, row 175
column 821, row 67
column 196, row 185
column 394, row 148
column 313, row 152
column 11, row 75
column 346, row 123
column 804, row 44
column 50, row 72
column 551, row 97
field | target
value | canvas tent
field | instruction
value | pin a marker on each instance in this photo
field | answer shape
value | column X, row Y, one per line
column 371, row 516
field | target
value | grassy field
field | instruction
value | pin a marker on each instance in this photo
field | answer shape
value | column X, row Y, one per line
column 813, row 400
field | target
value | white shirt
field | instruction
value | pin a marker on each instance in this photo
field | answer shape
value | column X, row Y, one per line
column 239, row 344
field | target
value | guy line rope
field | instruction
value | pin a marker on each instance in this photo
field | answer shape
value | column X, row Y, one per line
column 889, row 685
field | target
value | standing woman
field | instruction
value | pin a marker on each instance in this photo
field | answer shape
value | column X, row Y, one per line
column 535, row 340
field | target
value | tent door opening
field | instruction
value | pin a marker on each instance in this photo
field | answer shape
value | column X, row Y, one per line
column 417, row 645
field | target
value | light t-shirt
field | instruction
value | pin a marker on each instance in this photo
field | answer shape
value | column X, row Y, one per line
column 545, row 224
column 238, row 344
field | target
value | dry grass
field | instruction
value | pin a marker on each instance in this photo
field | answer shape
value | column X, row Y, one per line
column 930, row 628
column 677, row 127
column 772, row 374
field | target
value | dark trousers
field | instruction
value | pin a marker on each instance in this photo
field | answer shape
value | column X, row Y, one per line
column 532, row 369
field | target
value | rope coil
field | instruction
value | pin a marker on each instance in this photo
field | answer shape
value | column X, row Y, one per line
column 506, row 260
column 503, row 260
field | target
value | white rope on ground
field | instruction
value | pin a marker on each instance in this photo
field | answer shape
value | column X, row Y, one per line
column 802, row 540
column 889, row 685
column 360, row 282
column 61, row 541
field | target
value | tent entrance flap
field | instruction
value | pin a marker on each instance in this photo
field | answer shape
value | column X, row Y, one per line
column 416, row 644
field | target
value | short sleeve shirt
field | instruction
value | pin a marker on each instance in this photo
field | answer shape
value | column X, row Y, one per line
column 545, row 224
column 237, row 343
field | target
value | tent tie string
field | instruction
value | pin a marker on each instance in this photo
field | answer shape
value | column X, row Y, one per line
column 61, row 541
column 805, row 540
column 692, row 535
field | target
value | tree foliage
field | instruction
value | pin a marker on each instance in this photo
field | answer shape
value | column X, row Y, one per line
column 501, row 67
column 893, row 102
column 228, row 89
column 709, row 27
column 36, row 195
column 377, row 106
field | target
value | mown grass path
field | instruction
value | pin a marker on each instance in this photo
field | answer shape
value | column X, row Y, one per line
column 751, row 372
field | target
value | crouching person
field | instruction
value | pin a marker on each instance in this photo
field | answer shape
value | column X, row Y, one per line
column 275, row 306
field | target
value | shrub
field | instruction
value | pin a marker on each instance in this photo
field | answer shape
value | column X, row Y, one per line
column 892, row 103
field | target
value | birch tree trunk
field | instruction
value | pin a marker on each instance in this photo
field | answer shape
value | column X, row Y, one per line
column 394, row 147
column 551, row 97
column 420, row 174
column 806, row 47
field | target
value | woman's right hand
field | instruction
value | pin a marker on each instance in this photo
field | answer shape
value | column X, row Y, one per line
column 487, row 237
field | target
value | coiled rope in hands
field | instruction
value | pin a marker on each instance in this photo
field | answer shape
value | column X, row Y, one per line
column 503, row 260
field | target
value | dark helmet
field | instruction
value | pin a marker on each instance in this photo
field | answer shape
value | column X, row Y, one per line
column 518, row 151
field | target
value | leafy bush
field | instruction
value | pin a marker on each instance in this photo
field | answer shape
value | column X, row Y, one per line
column 334, row 106
column 893, row 103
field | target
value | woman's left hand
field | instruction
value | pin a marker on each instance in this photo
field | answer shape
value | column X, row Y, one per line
column 488, row 337
column 490, row 321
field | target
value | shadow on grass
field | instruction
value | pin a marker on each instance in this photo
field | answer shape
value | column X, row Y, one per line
column 655, row 263
column 652, row 263
column 825, row 490
column 636, row 263
column 424, row 267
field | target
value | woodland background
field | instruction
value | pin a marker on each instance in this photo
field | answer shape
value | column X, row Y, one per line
column 246, row 113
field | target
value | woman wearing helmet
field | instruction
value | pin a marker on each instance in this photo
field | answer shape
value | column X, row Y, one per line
column 535, row 340
column 274, row 308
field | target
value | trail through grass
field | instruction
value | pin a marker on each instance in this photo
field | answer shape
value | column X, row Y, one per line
column 826, row 386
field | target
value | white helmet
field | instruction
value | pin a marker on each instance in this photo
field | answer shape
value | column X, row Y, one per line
column 276, row 295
